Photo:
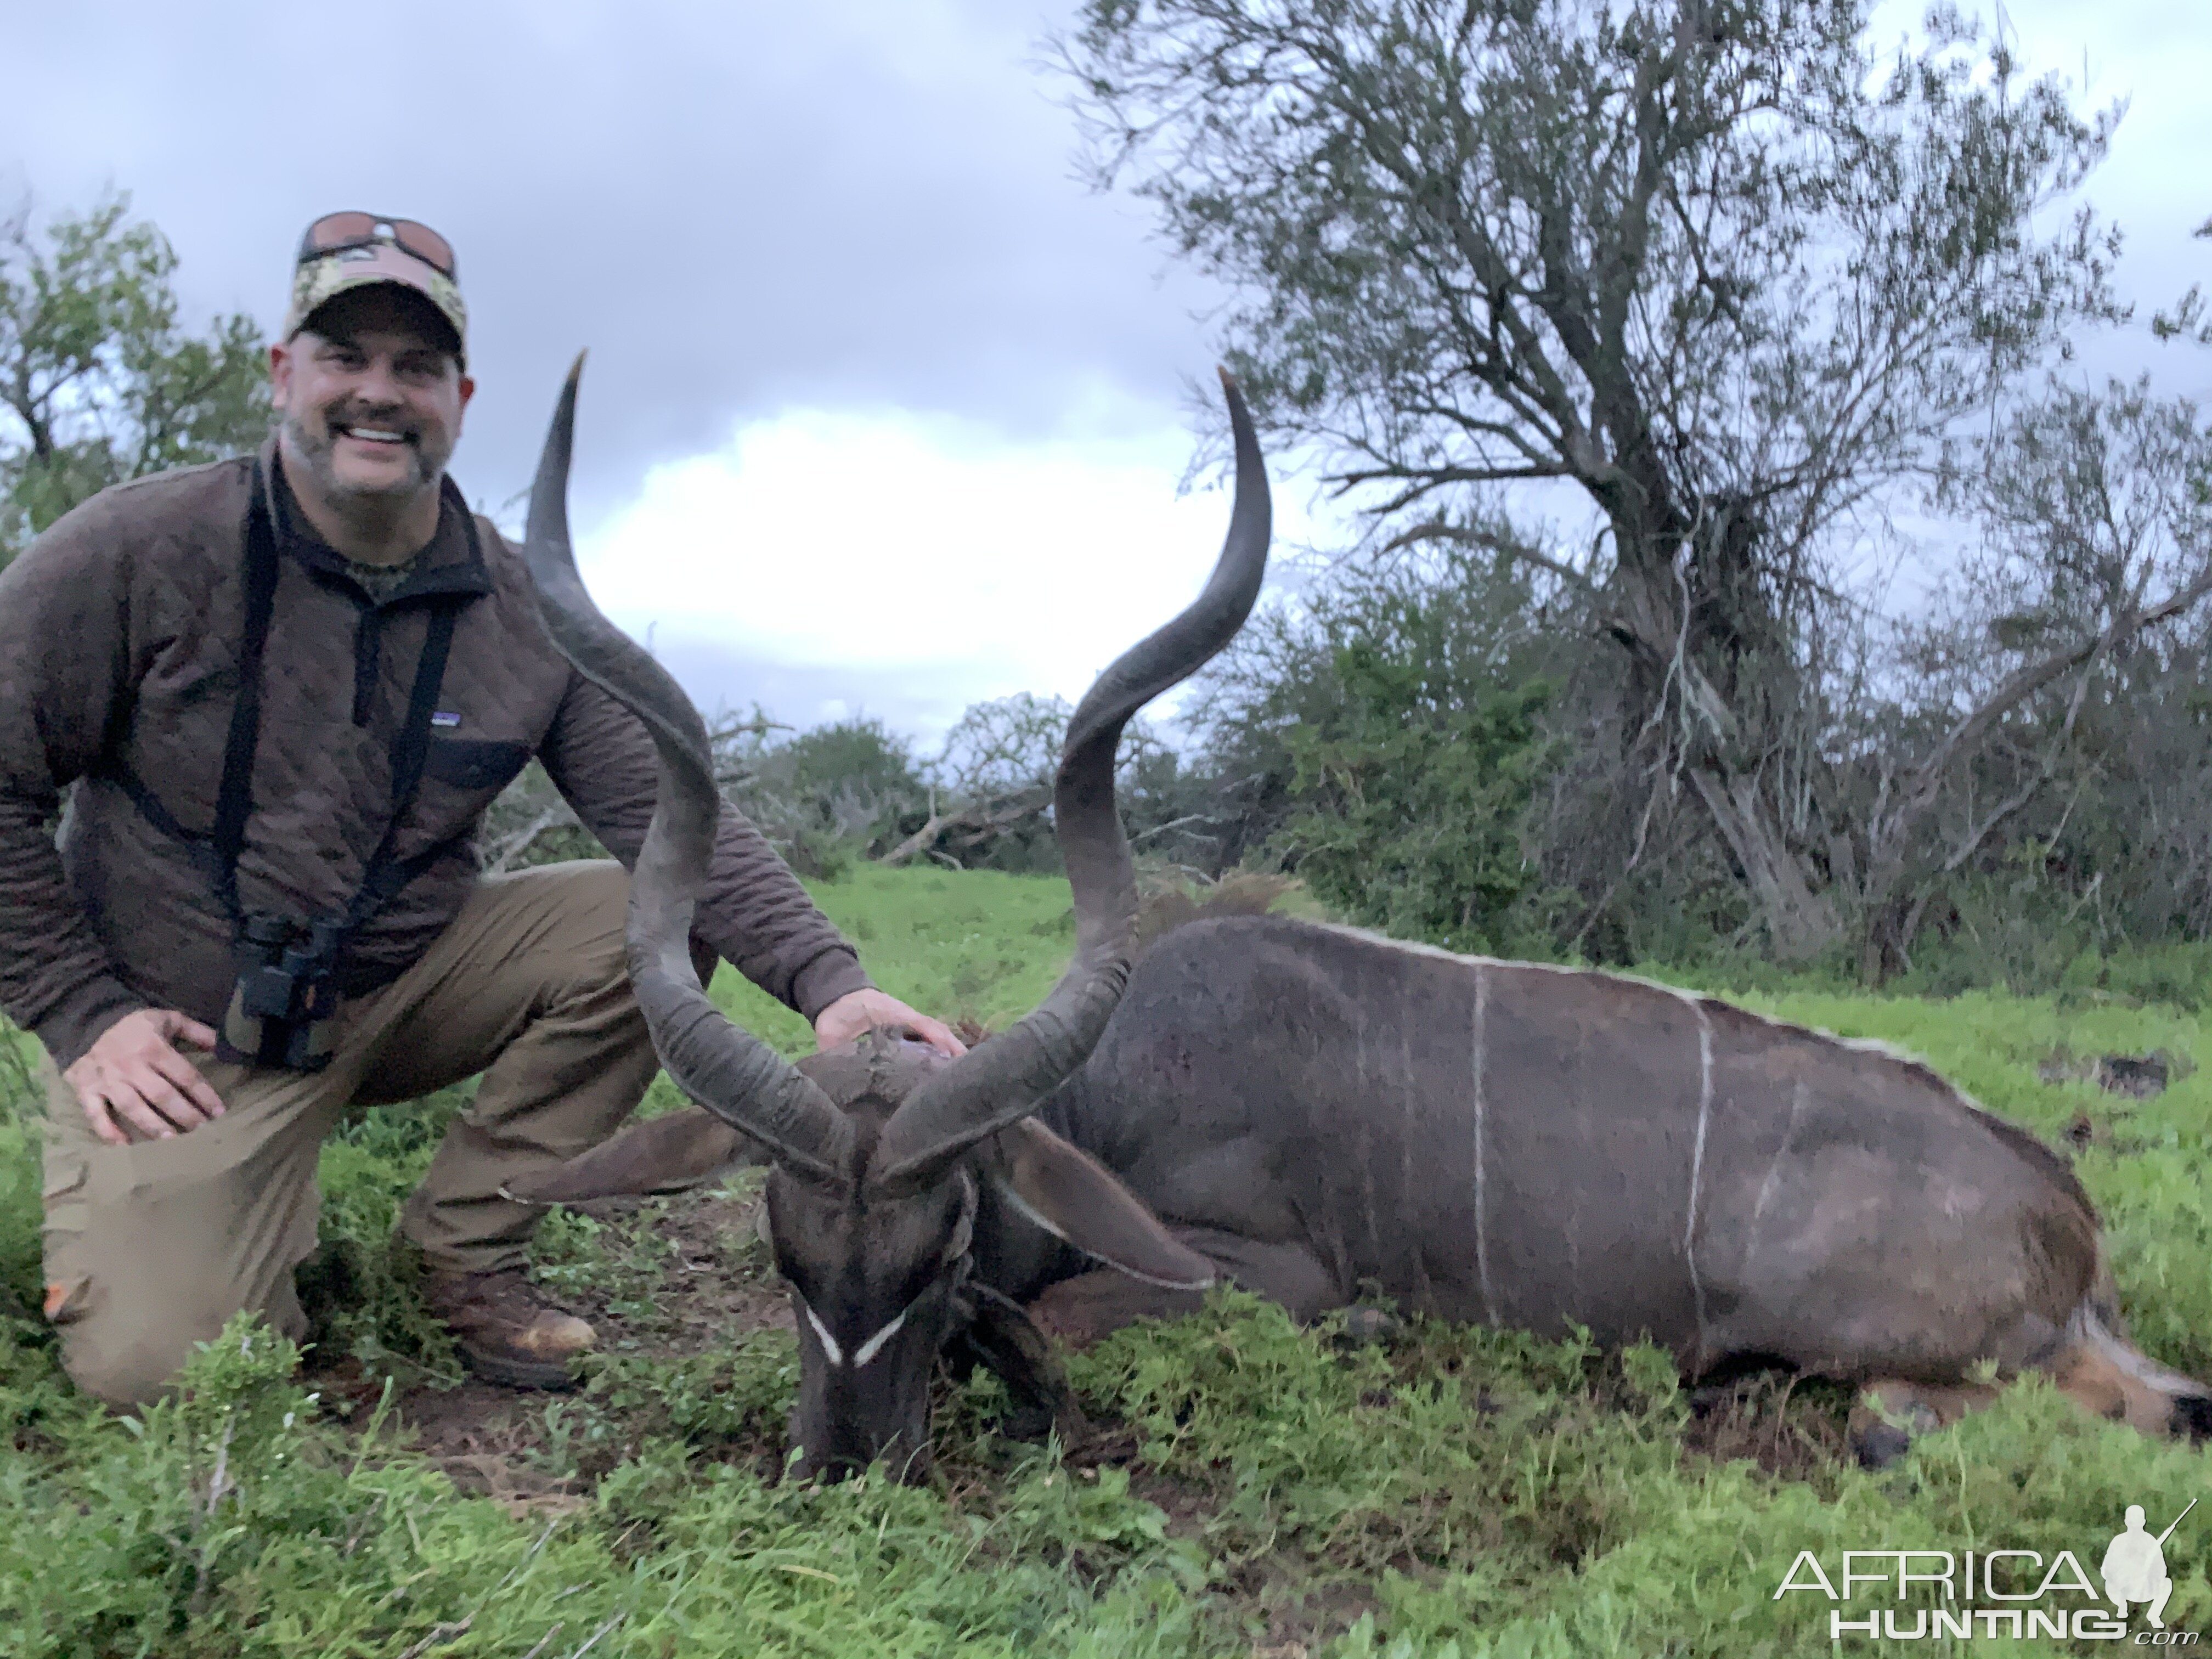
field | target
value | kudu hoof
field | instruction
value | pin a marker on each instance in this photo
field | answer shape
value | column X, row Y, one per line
column 1367, row 1328
column 2192, row 1417
column 1879, row 1447
column 1879, row 1438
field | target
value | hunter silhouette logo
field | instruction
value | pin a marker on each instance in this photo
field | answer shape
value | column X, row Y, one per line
column 2012, row 1593
column 2134, row 1566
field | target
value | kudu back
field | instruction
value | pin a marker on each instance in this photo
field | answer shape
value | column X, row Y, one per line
column 882, row 1153
column 1318, row 1109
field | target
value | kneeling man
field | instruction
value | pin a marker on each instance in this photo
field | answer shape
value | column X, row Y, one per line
column 278, row 693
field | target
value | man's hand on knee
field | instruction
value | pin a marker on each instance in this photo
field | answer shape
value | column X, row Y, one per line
column 852, row 1014
column 133, row 1083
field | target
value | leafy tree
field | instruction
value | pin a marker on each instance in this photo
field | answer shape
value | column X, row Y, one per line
column 819, row 796
column 828, row 793
column 2096, row 516
column 99, row 380
column 1707, row 269
column 860, row 756
column 1413, row 807
column 1384, row 735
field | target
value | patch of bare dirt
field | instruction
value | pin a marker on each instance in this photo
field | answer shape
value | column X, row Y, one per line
column 1795, row 1428
column 488, row 1444
column 679, row 1277
column 1294, row 1612
column 716, row 1284
column 1188, row 1507
column 2139, row 1077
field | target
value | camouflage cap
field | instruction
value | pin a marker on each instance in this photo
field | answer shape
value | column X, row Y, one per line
column 321, row 277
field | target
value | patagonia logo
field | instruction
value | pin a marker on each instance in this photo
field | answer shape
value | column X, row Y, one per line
column 445, row 717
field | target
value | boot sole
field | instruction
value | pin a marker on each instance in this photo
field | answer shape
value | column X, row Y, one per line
column 549, row 1376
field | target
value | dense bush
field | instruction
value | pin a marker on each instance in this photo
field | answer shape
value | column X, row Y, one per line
column 1408, row 799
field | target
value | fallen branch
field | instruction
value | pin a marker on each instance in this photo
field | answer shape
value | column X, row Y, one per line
column 1184, row 823
column 502, row 853
column 921, row 840
column 973, row 824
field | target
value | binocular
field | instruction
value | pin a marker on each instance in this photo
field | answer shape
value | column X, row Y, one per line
column 284, row 1010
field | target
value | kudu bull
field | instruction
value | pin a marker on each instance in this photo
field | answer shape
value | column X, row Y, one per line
column 887, row 1159
column 1313, row 1110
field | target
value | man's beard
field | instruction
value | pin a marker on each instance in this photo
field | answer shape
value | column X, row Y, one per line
column 318, row 452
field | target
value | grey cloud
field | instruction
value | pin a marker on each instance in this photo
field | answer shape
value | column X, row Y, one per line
column 737, row 208
column 921, row 702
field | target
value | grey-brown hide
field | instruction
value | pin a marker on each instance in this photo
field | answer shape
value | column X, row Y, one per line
column 880, row 1158
column 1540, row 1147
column 1316, row 1110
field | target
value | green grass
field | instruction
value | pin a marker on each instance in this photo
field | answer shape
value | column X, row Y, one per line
column 958, row 944
column 1255, row 1488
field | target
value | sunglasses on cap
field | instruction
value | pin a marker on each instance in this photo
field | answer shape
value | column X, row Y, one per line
column 334, row 232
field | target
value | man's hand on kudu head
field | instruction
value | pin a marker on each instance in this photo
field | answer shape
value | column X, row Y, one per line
column 853, row 1015
column 133, row 1083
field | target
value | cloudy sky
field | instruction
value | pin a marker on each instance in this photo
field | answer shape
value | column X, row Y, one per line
column 886, row 410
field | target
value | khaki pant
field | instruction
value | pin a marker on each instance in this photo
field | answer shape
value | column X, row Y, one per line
column 149, row 1248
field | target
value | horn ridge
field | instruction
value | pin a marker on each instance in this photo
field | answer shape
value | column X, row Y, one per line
column 1008, row 1078
column 723, row 1068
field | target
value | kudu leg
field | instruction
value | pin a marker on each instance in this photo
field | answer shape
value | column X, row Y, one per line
column 1002, row 1339
column 1890, row 1411
column 2109, row 1377
column 1080, row 1311
column 2120, row 1389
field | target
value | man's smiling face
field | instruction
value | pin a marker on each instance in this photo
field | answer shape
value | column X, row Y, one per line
column 371, row 396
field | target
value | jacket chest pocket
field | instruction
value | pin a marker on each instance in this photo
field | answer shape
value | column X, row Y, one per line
column 474, row 762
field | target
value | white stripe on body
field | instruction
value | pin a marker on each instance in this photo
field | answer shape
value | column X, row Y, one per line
column 1697, row 1166
column 1481, row 1210
column 1874, row 1048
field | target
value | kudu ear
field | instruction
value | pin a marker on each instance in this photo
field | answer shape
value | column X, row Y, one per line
column 662, row 1155
column 1070, row 1195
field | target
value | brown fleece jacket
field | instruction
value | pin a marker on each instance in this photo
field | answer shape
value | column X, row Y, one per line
column 120, row 630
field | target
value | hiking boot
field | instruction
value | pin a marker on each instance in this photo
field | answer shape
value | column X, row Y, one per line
column 504, row 1333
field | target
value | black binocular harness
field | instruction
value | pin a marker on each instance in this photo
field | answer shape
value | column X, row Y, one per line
column 284, row 1006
